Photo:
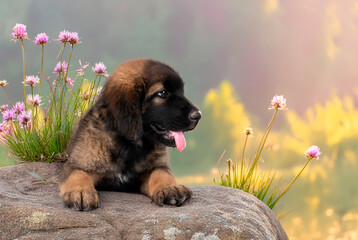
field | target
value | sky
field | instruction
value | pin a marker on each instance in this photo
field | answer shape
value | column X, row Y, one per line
column 304, row 50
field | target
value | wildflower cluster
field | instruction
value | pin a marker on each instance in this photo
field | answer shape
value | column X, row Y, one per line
column 34, row 101
column 278, row 103
column 41, row 39
column 249, row 132
column 100, row 69
column 35, row 134
column 313, row 153
column 19, row 32
column 3, row 83
column 16, row 114
column 60, row 67
column 31, row 80
column 245, row 175
column 68, row 37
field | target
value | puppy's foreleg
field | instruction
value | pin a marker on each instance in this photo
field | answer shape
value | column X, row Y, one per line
column 161, row 187
column 78, row 191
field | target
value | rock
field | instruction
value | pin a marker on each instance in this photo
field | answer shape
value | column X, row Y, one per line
column 32, row 209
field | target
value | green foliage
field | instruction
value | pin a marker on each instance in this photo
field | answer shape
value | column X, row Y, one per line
column 247, row 176
column 325, row 195
column 46, row 136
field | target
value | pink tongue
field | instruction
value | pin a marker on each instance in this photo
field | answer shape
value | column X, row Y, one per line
column 179, row 140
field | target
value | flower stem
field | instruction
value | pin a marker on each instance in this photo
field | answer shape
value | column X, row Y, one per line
column 262, row 144
column 51, row 90
column 243, row 158
column 95, row 90
column 264, row 138
column 61, row 71
column 288, row 187
column 92, row 87
column 42, row 67
column 76, row 96
column 7, row 97
column 229, row 172
column 68, row 63
column 23, row 69
column 65, row 76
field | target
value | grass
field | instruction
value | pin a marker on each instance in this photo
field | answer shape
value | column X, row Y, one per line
column 246, row 175
column 44, row 137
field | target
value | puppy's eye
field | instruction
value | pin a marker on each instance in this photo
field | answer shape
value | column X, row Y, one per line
column 162, row 94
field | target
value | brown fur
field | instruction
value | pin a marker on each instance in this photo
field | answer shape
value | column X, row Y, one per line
column 82, row 194
column 115, row 145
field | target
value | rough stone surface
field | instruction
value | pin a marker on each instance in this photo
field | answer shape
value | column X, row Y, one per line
column 30, row 209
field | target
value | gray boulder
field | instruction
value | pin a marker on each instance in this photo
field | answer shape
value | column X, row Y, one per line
column 30, row 208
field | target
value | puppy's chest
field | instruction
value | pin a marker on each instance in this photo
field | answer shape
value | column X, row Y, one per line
column 127, row 171
column 129, row 164
column 123, row 178
column 136, row 158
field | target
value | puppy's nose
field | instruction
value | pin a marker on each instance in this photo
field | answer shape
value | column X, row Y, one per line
column 195, row 116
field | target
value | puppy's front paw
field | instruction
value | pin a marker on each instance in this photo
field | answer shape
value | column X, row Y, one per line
column 81, row 199
column 78, row 191
column 172, row 195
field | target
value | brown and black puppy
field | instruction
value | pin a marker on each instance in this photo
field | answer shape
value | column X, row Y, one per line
column 122, row 142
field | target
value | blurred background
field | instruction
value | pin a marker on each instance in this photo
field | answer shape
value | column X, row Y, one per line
column 234, row 56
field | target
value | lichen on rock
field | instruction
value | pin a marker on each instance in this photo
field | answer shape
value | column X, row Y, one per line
column 35, row 211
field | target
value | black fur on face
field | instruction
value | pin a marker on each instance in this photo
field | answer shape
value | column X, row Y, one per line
column 168, row 110
column 149, row 105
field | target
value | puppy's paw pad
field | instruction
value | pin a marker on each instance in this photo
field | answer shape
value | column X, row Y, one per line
column 173, row 195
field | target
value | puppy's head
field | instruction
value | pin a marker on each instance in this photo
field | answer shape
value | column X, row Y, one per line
column 145, row 98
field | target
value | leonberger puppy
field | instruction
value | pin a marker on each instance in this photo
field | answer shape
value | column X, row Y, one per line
column 122, row 142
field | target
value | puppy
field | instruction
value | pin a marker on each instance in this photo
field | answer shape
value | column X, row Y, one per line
column 122, row 142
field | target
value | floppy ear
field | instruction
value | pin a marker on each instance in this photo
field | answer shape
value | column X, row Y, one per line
column 122, row 107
